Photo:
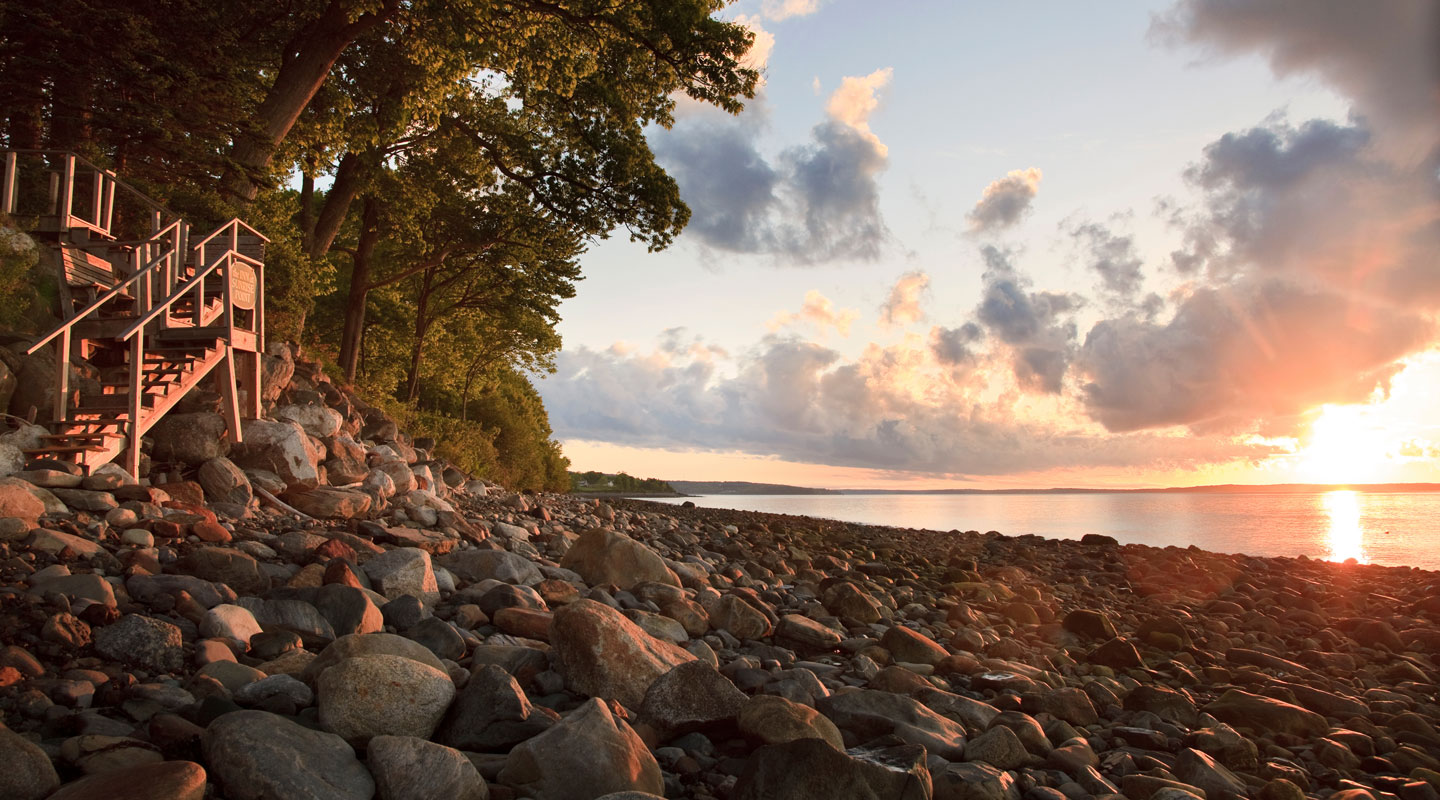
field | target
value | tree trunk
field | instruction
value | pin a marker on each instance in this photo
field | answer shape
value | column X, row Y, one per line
column 422, row 327
column 348, row 182
column 354, row 326
column 307, row 205
column 309, row 55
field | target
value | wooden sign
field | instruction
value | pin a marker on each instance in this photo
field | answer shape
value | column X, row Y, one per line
column 242, row 285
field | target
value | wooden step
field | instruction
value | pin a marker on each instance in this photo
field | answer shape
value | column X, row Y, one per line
column 120, row 403
column 68, row 449
column 56, row 437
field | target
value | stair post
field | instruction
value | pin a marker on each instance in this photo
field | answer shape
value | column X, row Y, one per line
column 62, row 375
column 137, row 376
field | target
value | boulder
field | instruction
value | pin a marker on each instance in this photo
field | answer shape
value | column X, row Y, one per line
column 141, row 641
column 17, row 499
column 255, row 755
column 240, row 571
column 317, row 420
column 974, row 781
column 28, row 773
column 356, row 645
column 230, row 622
column 738, row 618
column 1245, row 710
column 691, row 697
column 164, row 780
column 403, row 571
column 603, row 556
column 870, row 714
column 479, row 565
column 1089, row 624
column 380, row 695
column 771, row 719
column 492, row 714
column 224, row 482
column 191, row 439
column 327, row 503
column 588, row 754
column 281, row 448
column 409, row 768
column 807, row 632
column 602, row 654
column 911, row 647
column 809, row 768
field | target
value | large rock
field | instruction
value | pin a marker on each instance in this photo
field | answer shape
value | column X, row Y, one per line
column 383, row 695
column 602, row 654
column 808, row 768
column 771, row 719
column 492, row 714
column 256, row 755
column 479, row 565
column 316, row 420
column 224, row 482
column 240, row 571
column 1198, row 769
column 1245, row 710
column 371, row 644
column 408, row 768
column 28, row 773
column 327, row 503
column 603, row 556
column 974, row 781
column 588, row 754
column 281, row 448
column 230, row 622
column 165, row 780
column 406, row 570
column 693, row 696
column 870, row 714
column 191, row 439
column 911, row 647
column 142, row 641
column 738, row 618
column 17, row 499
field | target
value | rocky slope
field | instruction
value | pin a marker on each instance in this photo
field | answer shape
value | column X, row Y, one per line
column 327, row 612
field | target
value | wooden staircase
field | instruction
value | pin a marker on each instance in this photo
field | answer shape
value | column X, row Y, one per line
column 155, row 313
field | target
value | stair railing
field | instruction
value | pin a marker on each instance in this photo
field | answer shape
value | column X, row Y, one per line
column 165, row 245
column 80, row 193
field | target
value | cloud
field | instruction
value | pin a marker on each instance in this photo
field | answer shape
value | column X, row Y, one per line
column 785, row 9
column 856, row 99
column 1382, row 56
column 814, row 203
column 1250, row 352
column 759, row 56
column 893, row 408
column 1037, row 325
column 1112, row 257
column 1005, row 201
column 902, row 305
column 951, row 346
column 820, row 312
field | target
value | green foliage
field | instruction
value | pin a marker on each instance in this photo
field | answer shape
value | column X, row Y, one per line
column 484, row 144
column 28, row 291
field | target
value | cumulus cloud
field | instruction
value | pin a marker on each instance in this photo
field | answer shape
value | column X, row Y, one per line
column 1382, row 56
column 785, row 9
column 759, row 56
column 904, row 303
column 1244, row 353
column 819, row 311
column 1038, row 326
column 952, row 346
column 1111, row 256
column 1005, row 201
column 895, row 408
column 815, row 202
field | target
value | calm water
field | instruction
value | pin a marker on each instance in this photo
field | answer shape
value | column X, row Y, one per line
column 1394, row 529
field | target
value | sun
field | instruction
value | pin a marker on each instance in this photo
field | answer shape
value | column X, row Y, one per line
column 1346, row 445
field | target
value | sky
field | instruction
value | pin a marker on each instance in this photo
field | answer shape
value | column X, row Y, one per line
column 1036, row 244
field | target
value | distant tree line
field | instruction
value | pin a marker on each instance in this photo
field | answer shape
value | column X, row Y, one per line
column 592, row 481
column 429, row 171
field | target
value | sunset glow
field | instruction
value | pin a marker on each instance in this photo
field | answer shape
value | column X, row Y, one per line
column 1347, row 539
column 1347, row 445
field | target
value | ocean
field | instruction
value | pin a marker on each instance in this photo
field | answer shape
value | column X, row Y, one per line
column 1394, row 529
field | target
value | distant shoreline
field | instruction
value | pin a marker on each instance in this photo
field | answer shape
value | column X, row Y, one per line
column 691, row 489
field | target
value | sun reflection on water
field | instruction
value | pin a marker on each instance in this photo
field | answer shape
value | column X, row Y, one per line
column 1347, row 540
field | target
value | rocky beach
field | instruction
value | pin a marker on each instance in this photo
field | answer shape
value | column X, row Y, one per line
column 327, row 611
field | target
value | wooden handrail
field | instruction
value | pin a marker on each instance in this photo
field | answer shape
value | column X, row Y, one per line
column 234, row 221
column 154, row 264
column 164, row 305
column 155, row 205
